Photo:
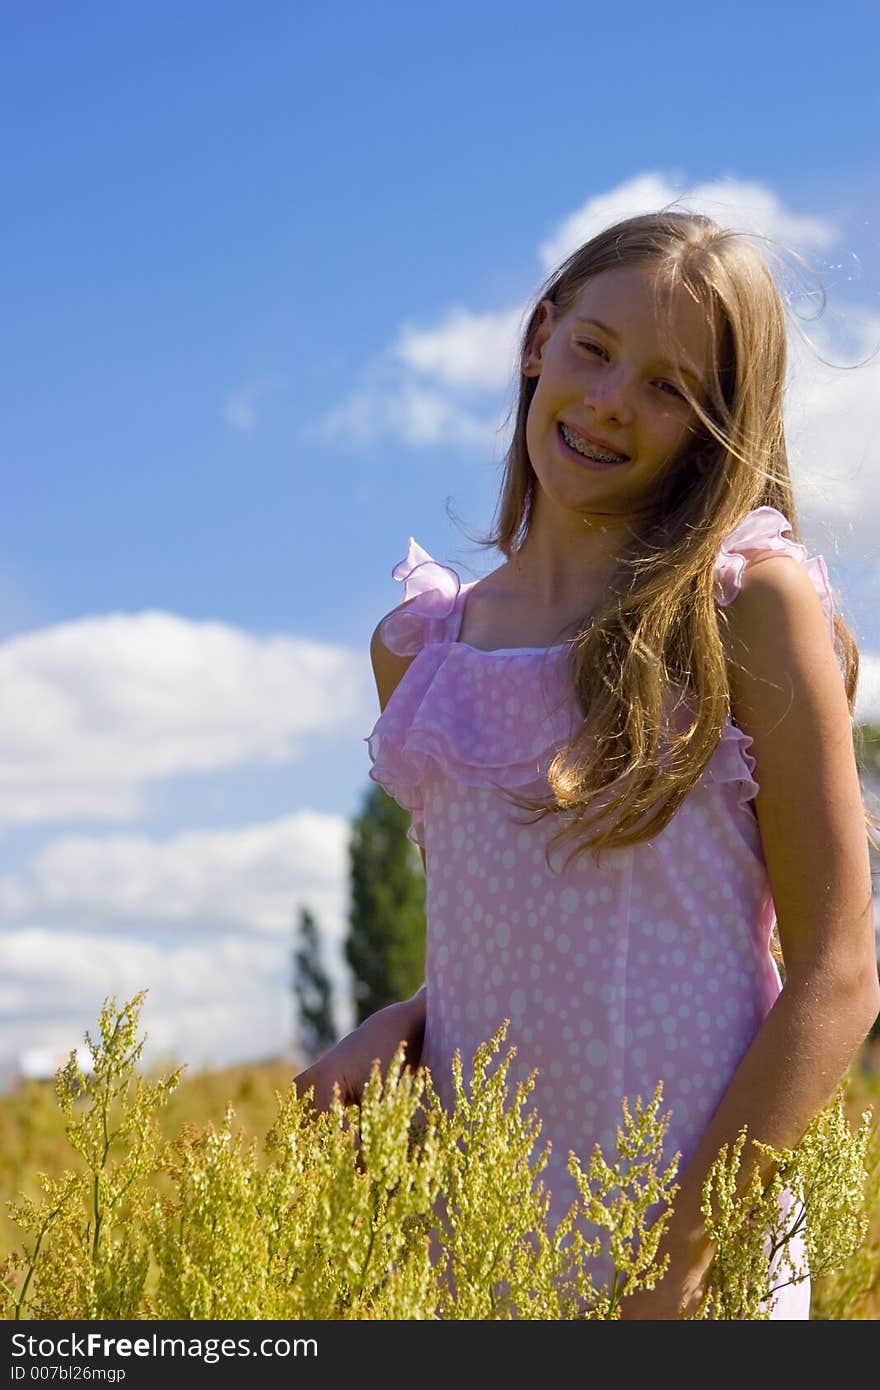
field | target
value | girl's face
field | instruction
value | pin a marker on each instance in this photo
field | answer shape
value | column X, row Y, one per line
column 606, row 370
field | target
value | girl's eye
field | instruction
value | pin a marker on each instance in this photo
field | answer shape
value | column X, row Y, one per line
column 596, row 348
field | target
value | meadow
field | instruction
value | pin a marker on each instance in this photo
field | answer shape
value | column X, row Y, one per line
column 217, row 1194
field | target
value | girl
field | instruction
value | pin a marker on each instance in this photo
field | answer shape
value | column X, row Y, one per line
column 628, row 750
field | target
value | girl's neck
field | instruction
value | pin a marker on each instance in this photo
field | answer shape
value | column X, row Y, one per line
column 558, row 568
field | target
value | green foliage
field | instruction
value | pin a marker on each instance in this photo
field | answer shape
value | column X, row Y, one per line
column 625, row 1191
column 311, row 990
column 845, row 1292
column 825, row 1178
column 385, row 946
column 399, row 1209
column 87, row 1256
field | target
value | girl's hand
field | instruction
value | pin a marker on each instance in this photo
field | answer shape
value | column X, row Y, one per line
column 350, row 1062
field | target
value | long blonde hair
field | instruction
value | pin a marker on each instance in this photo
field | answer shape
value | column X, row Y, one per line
column 660, row 623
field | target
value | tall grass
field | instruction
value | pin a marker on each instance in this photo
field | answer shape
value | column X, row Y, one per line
column 151, row 1197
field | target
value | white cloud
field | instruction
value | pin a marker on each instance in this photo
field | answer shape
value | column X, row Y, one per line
column 93, row 711
column 868, row 692
column 249, row 878
column 206, row 1004
column 240, row 408
column 469, row 351
column 832, row 427
column 205, row 919
column 402, row 409
column 748, row 207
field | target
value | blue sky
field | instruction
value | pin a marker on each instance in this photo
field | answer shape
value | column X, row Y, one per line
column 263, row 271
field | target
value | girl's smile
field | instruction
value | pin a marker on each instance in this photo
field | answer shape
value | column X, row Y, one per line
column 586, row 455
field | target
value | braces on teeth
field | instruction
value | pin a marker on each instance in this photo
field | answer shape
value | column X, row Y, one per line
column 589, row 450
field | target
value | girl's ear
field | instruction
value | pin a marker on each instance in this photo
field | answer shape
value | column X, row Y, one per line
column 544, row 320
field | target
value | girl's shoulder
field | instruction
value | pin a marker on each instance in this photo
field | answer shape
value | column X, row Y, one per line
column 789, row 696
column 433, row 593
column 758, row 537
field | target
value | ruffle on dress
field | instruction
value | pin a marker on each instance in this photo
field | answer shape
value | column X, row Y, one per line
column 733, row 763
column 487, row 719
column 498, row 718
column 433, row 590
column 762, row 530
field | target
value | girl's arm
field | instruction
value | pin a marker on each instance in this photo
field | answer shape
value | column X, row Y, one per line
column 788, row 694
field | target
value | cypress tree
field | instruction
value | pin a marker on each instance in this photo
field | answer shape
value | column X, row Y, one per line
column 312, row 990
column 385, row 946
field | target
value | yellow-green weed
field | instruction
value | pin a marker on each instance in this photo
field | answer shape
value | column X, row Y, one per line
column 399, row 1209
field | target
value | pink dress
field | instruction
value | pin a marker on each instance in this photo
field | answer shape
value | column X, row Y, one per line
column 654, row 963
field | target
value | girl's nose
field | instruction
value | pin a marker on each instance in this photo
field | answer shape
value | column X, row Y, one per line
column 610, row 397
